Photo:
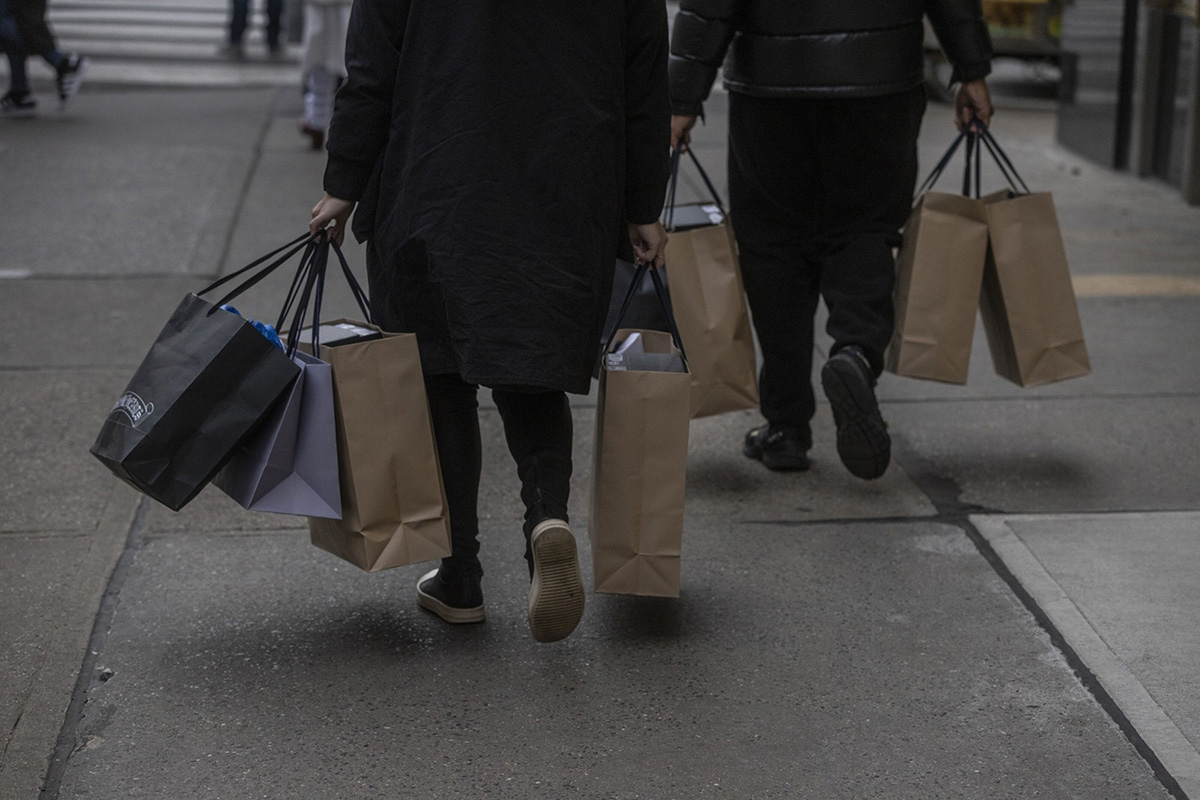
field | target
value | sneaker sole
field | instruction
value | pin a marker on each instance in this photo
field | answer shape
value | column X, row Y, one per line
column 455, row 616
column 863, row 442
column 556, row 594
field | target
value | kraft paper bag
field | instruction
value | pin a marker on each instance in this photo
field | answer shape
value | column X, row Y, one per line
column 938, row 276
column 709, row 302
column 393, row 502
column 1028, row 303
column 638, row 475
column 290, row 465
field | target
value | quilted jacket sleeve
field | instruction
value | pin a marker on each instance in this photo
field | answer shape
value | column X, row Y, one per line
column 963, row 34
column 703, row 31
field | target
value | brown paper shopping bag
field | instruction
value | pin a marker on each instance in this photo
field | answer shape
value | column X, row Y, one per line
column 393, row 503
column 709, row 303
column 1028, row 303
column 639, row 465
column 938, row 276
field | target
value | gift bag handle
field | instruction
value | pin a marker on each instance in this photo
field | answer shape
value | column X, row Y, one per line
column 936, row 173
column 306, row 243
column 309, row 284
column 712, row 189
column 661, row 291
column 312, row 275
column 360, row 296
column 1002, row 160
column 292, row 247
column 978, row 137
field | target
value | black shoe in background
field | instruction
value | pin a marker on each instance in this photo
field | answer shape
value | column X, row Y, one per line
column 456, row 601
column 863, row 442
column 780, row 449
column 16, row 105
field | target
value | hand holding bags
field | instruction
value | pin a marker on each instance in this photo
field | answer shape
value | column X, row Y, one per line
column 209, row 380
column 393, row 503
column 938, row 274
column 640, row 462
column 709, row 302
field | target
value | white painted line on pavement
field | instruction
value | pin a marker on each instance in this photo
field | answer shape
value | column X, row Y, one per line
column 1136, row 286
column 15, row 274
column 1177, row 754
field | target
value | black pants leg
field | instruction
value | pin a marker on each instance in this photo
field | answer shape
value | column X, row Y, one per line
column 453, row 406
column 538, row 427
column 869, row 170
column 819, row 189
column 274, row 22
column 239, row 19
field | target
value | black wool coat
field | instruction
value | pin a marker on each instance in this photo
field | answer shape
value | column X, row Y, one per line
column 498, row 148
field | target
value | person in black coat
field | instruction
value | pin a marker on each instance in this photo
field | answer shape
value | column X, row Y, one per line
column 500, row 151
column 825, row 104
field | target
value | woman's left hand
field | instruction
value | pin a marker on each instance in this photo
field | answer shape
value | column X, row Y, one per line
column 331, row 209
column 649, row 243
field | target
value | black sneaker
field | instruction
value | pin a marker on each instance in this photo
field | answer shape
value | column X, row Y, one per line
column 456, row 602
column 556, row 591
column 16, row 105
column 862, row 437
column 780, row 449
column 70, row 77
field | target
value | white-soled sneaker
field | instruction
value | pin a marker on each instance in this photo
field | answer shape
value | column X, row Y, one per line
column 70, row 78
column 457, row 603
column 556, row 592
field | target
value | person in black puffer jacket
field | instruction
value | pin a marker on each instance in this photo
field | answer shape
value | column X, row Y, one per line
column 825, row 105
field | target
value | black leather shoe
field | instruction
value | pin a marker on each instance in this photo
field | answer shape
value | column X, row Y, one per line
column 863, row 442
column 457, row 601
column 781, row 449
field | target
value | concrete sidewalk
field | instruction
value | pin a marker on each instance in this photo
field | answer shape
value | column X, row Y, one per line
column 1005, row 615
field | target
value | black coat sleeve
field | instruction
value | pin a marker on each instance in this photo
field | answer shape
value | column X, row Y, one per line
column 647, row 110
column 703, row 32
column 362, row 111
column 963, row 34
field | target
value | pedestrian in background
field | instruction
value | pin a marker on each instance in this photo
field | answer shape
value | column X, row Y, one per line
column 24, row 32
column 825, row 104
column 324, row 69
column 239, row 21
column 500, row 150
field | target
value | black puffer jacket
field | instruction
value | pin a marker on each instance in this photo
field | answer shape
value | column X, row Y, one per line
column 819, row 48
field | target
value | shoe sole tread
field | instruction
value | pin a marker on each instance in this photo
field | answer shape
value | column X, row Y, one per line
column 863, row 442
column 556, row 595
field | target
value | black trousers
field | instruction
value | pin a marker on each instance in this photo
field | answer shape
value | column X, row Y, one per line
column 240, row 20
column 819, row 189
column 538, row 428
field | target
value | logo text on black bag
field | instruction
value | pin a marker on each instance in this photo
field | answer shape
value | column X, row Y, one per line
column 135, row 407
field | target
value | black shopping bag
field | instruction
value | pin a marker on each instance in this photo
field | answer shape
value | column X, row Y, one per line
column 209, row 380
column 645, row 311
